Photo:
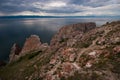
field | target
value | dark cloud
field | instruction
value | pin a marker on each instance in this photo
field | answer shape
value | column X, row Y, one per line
column 46, row 7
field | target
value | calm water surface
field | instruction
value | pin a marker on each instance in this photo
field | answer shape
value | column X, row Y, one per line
column 17, row 30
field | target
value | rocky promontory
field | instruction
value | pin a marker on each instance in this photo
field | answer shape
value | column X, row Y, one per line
column 31, row 44
column 77, row 52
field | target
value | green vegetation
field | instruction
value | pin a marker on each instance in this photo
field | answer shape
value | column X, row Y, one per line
column 115, row 62
column 85, row 76
column 63, row 40
column 85, row 45
column 21, row 68
column 33, row 55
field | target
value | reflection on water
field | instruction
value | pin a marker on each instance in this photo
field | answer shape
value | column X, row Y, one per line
column 16, row 30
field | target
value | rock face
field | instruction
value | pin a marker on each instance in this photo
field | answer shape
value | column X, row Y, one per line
column 31, row 43
column 77, row 52
column 70, row 34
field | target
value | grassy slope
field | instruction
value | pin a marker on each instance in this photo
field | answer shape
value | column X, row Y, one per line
column 21, row 68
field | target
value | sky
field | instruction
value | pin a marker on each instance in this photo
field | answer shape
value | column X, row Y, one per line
column 60, row 7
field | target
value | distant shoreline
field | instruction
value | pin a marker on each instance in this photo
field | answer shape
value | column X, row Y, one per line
column 8, row 17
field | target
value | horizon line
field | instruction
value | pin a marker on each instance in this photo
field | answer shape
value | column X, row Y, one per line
column 38, row 16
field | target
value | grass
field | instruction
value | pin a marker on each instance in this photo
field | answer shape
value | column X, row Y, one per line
column 21, row 68
column 33, row 55
column 85, row 76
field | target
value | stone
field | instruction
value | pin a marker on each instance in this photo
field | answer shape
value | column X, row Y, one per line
column 76, row 66
column 53, row 61
column 117, row 49
column 116, row 40
column 72, row 57
column 93, row 54
column 88, row 65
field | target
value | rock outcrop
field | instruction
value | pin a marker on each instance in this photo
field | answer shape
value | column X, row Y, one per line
column 31, row 44
column 69, row 34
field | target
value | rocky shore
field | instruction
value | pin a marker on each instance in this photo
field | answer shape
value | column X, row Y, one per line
column 79, row 51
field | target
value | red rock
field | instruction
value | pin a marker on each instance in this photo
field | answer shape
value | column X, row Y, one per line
column 72, row 57
column 117, row 49
column 69, row 32
column 67, row 67
column 31, row 43
column 52, row 61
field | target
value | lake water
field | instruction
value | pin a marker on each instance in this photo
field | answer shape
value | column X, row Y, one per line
column 17, row 30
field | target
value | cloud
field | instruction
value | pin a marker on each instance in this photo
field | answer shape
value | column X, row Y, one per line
column 60, row 7
column 57, row 4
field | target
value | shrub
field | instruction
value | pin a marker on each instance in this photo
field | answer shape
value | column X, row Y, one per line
column 30, row 56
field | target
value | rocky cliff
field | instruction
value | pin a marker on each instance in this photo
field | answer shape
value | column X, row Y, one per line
column 77, row 52
column 31, row 44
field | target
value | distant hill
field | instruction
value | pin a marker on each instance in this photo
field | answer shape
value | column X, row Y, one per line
column 22, row 16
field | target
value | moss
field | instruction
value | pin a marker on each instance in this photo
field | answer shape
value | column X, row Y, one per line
column 118, row 43
column 33, row 54
column 85, row 45
column 28, row 56
column 21, row 68
column 101, row 64
column 62, row 78
column 76, row 76
column 63, row 40
column 45, row 59
column 85, row 76
column 37, row 79
column 114, row 60
column 116, row 67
